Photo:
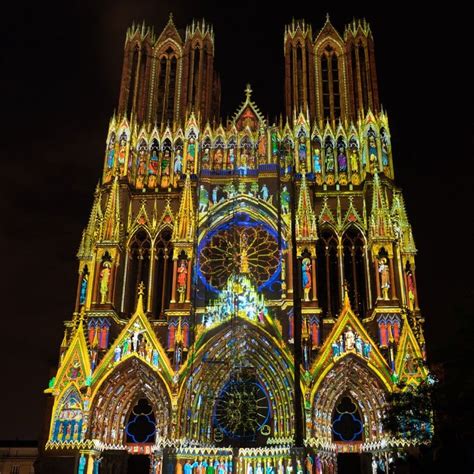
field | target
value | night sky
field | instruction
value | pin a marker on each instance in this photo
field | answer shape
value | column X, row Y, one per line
column 60, row 78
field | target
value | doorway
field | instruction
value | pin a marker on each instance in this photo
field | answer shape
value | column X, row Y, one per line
column 138, row 464
column 349, row 463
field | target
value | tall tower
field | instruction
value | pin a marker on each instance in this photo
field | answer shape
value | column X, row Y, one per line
column 240, row 287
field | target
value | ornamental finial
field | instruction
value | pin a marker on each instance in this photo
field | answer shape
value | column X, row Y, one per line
column 248, row 91
column 141, row 289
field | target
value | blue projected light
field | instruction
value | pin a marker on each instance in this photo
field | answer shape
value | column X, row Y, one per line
column 356, row 428
column 241, row 219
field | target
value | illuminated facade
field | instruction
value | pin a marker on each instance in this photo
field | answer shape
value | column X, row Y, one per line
column 225, row 265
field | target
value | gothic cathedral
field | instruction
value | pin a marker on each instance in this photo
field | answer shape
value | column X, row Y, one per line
column 246, row 294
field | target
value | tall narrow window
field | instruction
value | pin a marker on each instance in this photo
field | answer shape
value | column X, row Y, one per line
column 330, row 84
column 328, row 273
column 138, row 266
column 354, row 269
column 171, row 90
column 133, row 78
column 163, row 273
column 363, row 76
column 325, row 84
column 161, row 87
column 300, row 76
column 355, row 81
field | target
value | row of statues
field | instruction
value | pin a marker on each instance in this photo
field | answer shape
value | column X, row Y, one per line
column 137, row 343
column 350, row 341
column 156, row 165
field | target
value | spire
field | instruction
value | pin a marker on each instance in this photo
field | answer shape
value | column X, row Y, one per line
column 380, row 222
column 184, row 229
column 306, row 219
column 179, row 333
column 112, row 221
column 401, row 224
column 90, row 233
column 141, row 292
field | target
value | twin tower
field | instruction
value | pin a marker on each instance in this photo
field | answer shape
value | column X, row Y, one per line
column 246, row 297
column 327, row 76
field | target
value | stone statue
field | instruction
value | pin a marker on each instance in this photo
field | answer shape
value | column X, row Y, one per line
column 285, row 200
column 384, row 277
column 104, row 282
column 203, row 199
column 82, row 464
column 244, row 262
column 349, row 339
column 182, row 277
column 306, row 277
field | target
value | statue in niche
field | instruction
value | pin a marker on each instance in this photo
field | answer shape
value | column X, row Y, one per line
column 244, row 263
column 349, row 338
column 110, row 157
column 117, row 353
column 203, row 199
column 259, row 469
column 205, row 160
column 342, row 159
column 274, row 146
column 104, row 281
column 372, row 146
column 182, row 280
column 231, row 158
column 122, row 152
column 215, row 196
column 306, row 277
column 165, row 168
column 385, row 144
column 354, row 158
column 178, row 163
column 190, row 155
column 410, row 289
column 262, row 148
column 366, row 350
column 384, row 272
column 285, row 200
column 218, row 159
column 329, row 155
column 153, row 169
column 83, row 290
column 141, row 167
column 302, row 150
column 317, row 159
column 243, row 162
column 264, row 194
column 82, row 464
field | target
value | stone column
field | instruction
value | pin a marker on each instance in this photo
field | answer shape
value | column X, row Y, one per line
column 313, row 276
column 173, row 283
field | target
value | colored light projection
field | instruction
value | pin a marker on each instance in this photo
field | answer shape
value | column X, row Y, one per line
column 68, row 423
column 243, row 244
column 239, row 298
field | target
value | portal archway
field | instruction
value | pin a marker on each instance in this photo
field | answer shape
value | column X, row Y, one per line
column 350, row 378
column 240, row 347
column 122, row 390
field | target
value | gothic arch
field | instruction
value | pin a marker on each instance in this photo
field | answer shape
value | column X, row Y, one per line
column 236, row 343
column 353, row 378
column 328, row 270
column 355, row 265
column 116, row 394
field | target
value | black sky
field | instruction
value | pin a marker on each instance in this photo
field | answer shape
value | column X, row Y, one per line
column 61, row 68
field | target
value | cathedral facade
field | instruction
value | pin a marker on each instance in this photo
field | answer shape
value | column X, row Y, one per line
column 246, row 293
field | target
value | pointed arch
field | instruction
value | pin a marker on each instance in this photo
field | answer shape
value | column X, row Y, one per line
column 137, row 265
column 116, row 394
column 349, row 377
column 328, row 271
column 355, row 266
column 212, row 366
column 67, row 420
